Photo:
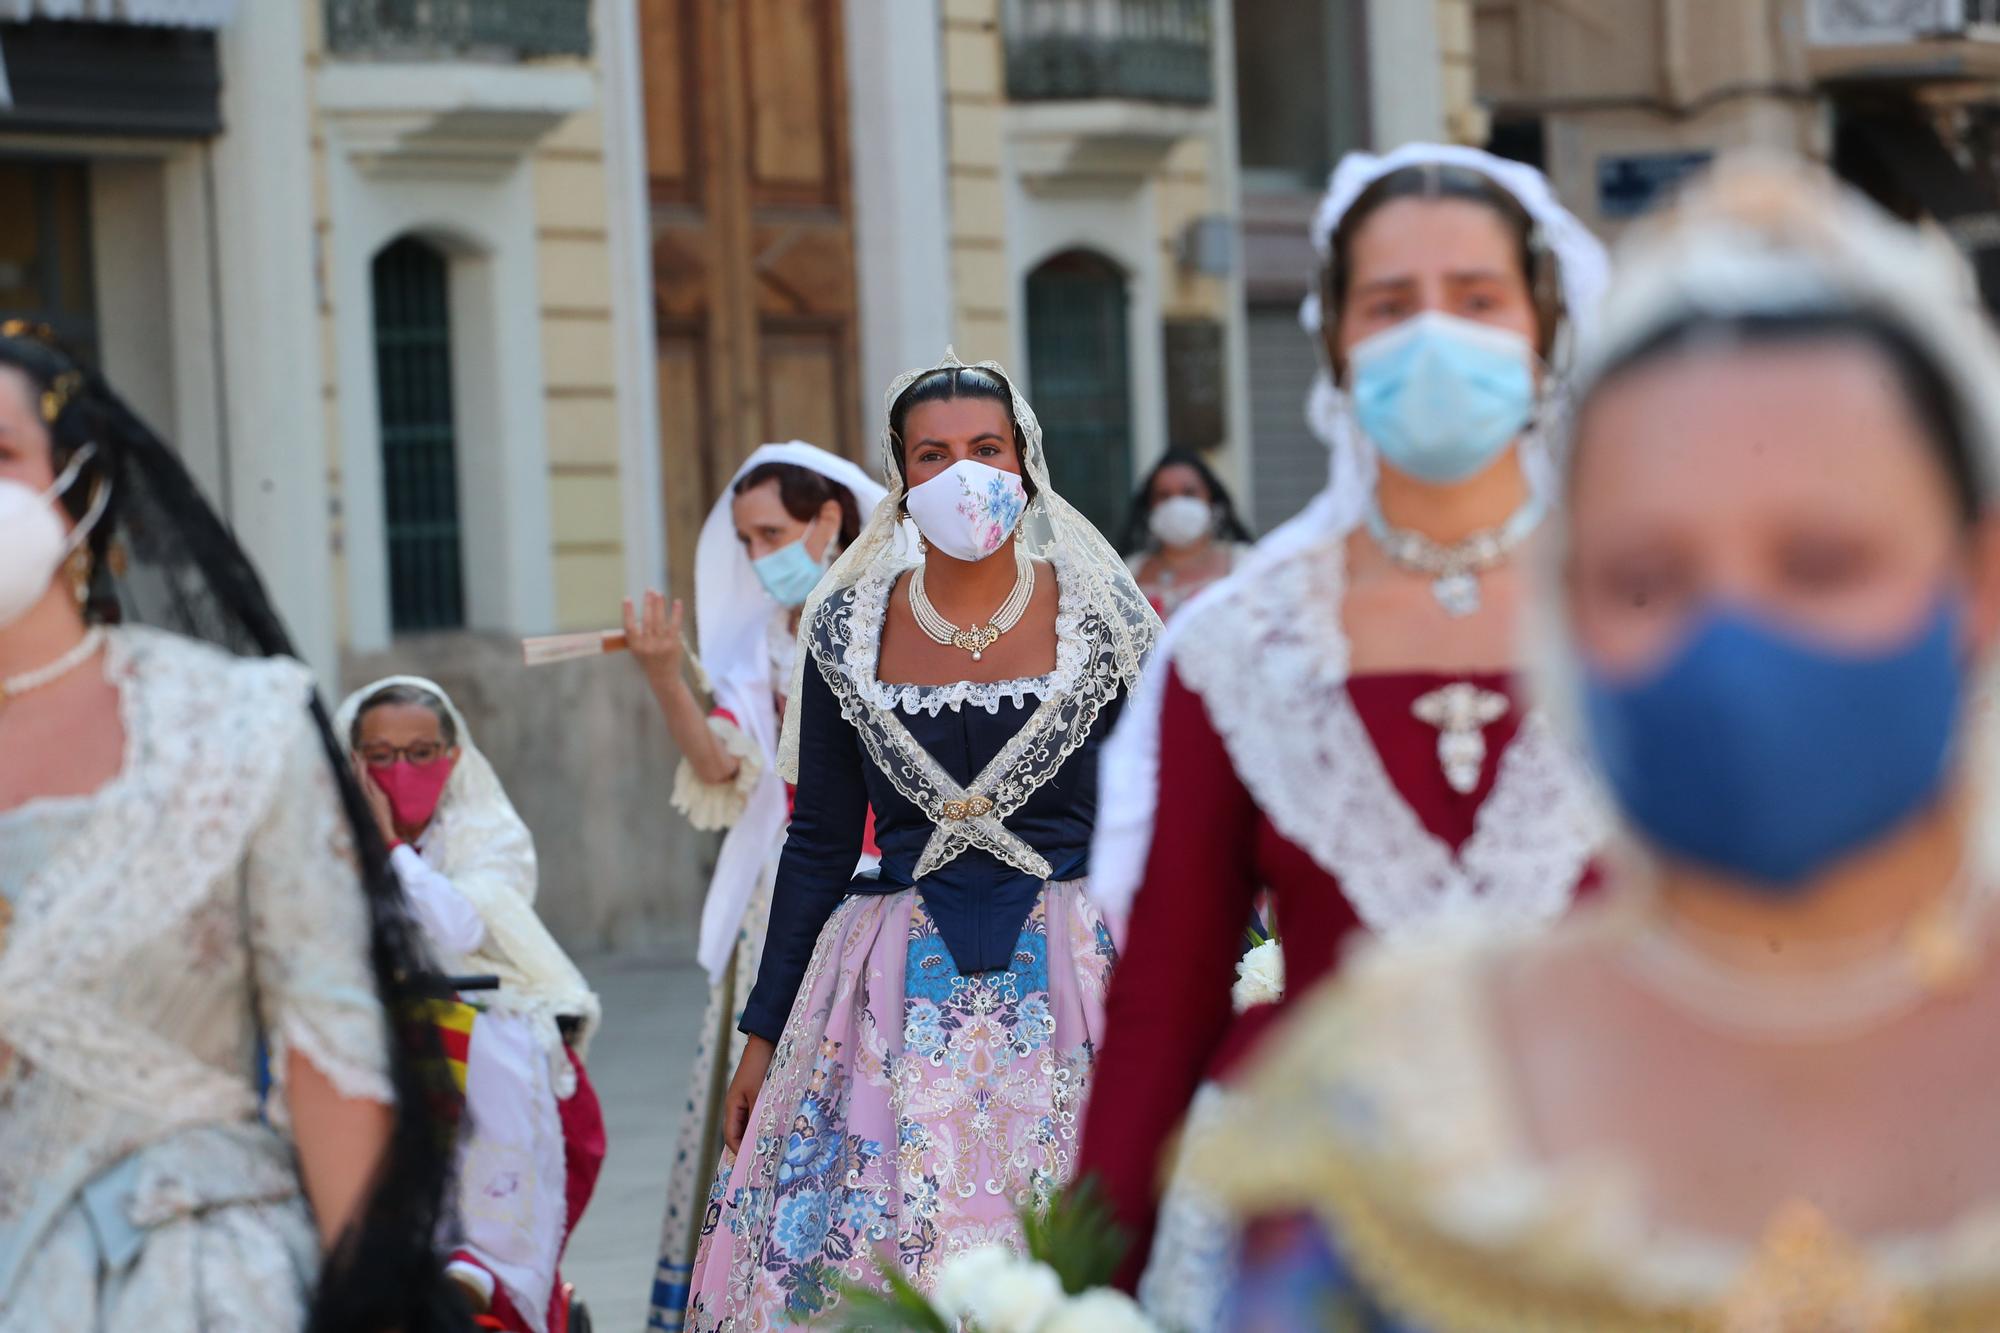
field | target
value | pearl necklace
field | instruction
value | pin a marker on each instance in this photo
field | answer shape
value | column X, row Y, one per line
column 14, row 687
column 978, row 638
column 1935, row 954
column 1454, row 569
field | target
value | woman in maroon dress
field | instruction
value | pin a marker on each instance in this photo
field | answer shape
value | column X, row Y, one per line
column 1338, row 724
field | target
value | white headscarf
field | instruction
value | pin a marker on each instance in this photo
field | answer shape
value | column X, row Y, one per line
column 1129, row 778
column 732, row 618
column 1091, row 569
column 1771, row 235
column 481, row 845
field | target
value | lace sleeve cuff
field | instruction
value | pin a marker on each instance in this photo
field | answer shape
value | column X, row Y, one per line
column 718, row 805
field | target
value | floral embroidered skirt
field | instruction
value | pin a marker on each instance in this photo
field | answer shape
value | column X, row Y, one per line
column 910, row 1110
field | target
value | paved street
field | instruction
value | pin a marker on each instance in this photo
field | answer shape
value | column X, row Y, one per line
column 639, row 1064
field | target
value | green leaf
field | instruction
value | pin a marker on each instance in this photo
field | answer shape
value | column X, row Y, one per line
column 1078, row 1237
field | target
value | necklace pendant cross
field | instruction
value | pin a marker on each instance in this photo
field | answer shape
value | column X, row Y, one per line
column 1461, row 712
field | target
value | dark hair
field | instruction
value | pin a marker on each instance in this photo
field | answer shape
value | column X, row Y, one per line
column 59, row 396
column 1442, row 180
column 185, row 573
column 804, row 493
column 390, row 695
column 1228, row 524
column 1939, row 411
column 944, row 385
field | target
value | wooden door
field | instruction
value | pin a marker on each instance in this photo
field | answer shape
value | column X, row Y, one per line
column 753, row 248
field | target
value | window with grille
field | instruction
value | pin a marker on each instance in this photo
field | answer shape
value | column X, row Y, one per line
column 45, row 249
column 419, row 442
column 1081, row 379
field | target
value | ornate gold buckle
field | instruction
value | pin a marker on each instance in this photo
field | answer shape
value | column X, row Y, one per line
column 972, row 807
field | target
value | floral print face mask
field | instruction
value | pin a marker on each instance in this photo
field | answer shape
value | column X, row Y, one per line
column 969, row 510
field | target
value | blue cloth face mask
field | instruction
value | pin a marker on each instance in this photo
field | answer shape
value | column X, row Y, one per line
column 1441, row 396
column 790, row 573
column 1768, row 758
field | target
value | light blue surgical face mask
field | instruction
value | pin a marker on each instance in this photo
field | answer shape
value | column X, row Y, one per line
column 790, row 573
column 1441, row 396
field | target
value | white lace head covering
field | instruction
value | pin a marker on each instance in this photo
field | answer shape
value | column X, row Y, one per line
column 1091, row 569
column 1770, row 235
column 733, row 617
column 1131, row 759
column 478, row 842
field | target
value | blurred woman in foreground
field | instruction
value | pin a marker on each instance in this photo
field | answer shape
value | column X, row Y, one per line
column 1754, row 1091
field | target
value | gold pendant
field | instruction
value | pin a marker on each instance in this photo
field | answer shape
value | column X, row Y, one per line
column 1807, row 1278
column 975, row 641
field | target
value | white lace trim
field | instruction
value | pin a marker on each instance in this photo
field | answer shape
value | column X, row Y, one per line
column 221, row 758
column 861, row 659
column 1270, row 663
column 710, row 806
column 1058, row 728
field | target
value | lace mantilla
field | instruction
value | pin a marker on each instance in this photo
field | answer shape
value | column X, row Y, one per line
column 1270, row 663
column 844, row 643
column 859, row 658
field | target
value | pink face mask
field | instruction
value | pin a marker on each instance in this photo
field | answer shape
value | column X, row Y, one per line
column 414, row 789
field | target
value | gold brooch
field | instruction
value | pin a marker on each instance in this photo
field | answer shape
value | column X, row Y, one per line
column 972, row 807
column 1808, row 1278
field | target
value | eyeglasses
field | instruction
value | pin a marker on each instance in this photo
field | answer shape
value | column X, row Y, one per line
column 423, row 754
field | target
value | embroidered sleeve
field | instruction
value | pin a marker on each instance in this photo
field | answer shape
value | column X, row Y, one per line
column 310, row 929
column 718, row 805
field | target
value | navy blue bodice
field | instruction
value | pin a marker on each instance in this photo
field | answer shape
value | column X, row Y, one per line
column 978, row 901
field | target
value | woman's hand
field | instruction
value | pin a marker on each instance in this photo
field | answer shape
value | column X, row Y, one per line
column 743, row 1090
column 378, row 802
column 653, row 634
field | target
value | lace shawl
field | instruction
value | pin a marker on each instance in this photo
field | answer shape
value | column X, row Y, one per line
column 1270, row 664
column 844, row 642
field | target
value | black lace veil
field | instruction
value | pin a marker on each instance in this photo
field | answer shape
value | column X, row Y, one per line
column 162, row 557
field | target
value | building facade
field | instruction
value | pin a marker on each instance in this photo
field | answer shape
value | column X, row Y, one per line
column 1623, row 99
column 841, row 189
column 378, row 271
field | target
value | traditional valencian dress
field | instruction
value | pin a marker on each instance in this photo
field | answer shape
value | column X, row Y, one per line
column 1399, row 804
column 1378, row 1149
column 936, row 1024
column 205, row 897
column 1394, row 1149
column 749, row 653
column 534, row 1139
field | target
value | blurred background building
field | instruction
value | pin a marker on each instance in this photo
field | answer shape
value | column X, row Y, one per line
column 464, row 310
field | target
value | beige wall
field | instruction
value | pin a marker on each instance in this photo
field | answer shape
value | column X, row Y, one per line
column 575, row 262
column 582, row 394
column 985, row 316
column 983, row 311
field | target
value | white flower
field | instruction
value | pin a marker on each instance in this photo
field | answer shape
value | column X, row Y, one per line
column 997, row 1290
column 1260, row 977
column 1100, row 1310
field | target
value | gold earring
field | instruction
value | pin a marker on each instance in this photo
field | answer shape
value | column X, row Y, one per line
column 77, row 567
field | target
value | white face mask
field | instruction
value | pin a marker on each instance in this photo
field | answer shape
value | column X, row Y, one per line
column 33, row 544
column 969, row 510
column 1181, row 520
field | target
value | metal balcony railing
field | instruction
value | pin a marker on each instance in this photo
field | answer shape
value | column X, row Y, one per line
column 430, row 29
column 1842, row 23
column 1143, row 50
